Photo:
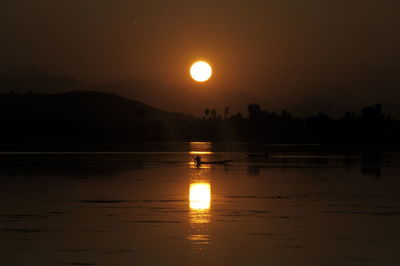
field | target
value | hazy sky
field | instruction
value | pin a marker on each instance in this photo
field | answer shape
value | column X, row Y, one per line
column 280, row 52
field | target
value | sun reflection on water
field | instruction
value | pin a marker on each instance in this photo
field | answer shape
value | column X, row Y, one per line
column 200, row 202
column 200, row 148
column 200, row 196
column 200, row 199
column 199, row 215
column 201, row 152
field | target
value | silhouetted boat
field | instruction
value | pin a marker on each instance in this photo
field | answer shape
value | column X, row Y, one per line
column 217, row 162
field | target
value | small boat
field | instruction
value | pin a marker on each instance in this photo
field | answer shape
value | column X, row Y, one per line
column 217, row 162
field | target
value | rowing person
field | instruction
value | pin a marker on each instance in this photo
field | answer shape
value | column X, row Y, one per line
column 197, row 160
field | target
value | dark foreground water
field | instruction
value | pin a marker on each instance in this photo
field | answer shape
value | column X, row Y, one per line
column 156, row 208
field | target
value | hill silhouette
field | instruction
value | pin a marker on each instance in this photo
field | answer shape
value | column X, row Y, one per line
column 153, row 92
column 80, row 115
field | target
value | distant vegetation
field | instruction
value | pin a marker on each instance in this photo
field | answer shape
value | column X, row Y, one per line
column 94, row 116
column 371, row 127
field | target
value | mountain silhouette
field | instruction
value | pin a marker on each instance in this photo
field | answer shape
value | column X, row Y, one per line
column 81, row 115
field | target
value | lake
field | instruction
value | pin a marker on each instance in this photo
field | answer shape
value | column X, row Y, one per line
column 155, row 207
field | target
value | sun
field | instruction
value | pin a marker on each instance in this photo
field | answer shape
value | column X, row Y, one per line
column 201, row 71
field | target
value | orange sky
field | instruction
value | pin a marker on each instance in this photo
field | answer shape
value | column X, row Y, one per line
column 279, row 52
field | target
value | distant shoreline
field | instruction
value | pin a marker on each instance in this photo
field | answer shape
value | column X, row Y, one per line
column 184, row 146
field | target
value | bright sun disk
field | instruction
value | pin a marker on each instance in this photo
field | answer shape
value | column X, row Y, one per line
column 201, row 71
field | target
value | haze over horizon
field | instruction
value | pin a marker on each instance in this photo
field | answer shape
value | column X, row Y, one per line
column 302, row 56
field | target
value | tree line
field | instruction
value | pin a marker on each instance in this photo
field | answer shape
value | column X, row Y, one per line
column 371, row 126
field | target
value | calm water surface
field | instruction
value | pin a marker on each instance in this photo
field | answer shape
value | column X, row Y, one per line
column 157, row 208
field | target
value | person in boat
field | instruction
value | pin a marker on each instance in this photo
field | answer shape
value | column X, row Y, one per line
column 197, row 160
